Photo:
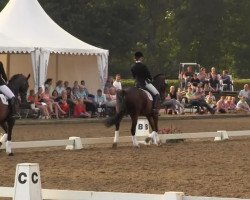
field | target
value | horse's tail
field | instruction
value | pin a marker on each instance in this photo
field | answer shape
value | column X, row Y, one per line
column 120, row 109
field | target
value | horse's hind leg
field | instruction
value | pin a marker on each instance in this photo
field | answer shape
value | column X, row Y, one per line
column 116, row 138
column 10, row 123
column 153, row 121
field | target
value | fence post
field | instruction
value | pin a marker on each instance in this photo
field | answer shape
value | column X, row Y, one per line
column 27, row 182
column 173, row 195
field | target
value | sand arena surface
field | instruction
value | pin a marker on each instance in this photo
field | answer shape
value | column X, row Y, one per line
column 195, row 167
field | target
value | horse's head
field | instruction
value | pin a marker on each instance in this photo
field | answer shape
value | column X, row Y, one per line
column 159, row 81
column 19, row 85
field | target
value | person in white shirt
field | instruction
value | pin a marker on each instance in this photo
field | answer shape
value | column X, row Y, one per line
column 117, row 83
column 245, row 93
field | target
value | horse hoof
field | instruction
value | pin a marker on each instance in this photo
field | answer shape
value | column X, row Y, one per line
column 114, row 146
column 148, row 139
column 10, row 154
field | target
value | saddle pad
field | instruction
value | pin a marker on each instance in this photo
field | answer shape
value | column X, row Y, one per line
column 3, row 99
column 148, row 94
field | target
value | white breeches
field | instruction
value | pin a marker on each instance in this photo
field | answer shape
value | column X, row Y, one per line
column 6, row 91
column 151, row 88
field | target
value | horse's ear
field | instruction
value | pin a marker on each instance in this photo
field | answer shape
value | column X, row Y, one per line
column 28, row 77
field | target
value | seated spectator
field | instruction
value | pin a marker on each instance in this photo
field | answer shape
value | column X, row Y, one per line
column 66, row 84
column 88, row 101
column 246, row 93
column 214, row 83
column 75, row 90
column 187, row 75
column 171, row 103
column 221, row 105
column 225, row 81
column 117, row 83
column 100, row 100
column 230, row 102
column 210, row 95
column 70, row 99
column 59, row 87
column 48, row 84
column 197, row 99
column 242, row 105
column 203, row 76
column 195, row 80
column 33, row 99
column 108, row 85
column 111, row 97
column 55, row 96
column 80, row 109
column 64, row 104
column 210, row 102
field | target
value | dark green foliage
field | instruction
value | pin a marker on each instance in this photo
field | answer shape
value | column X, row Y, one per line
column 210, row 32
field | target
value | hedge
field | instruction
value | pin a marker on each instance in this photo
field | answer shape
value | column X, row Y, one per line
column 238, row 83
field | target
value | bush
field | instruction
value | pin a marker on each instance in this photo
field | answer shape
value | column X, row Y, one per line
column 238, row 83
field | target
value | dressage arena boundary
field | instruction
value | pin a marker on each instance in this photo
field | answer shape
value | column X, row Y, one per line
column 78, row 143
column 28, row 186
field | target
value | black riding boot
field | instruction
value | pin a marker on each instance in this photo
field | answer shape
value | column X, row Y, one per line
column 155, row 104
column 13, row 110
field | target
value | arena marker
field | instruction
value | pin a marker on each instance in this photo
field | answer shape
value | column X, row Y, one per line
column 27, row 182
column 77, row 143
column 142, row 127
column 173, row 195
column 224, row 134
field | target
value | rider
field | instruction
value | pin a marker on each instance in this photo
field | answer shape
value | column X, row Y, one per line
column 7, row 92
column 143, row 79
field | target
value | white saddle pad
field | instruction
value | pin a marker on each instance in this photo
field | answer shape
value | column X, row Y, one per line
column 148, row 94
column 3, row 99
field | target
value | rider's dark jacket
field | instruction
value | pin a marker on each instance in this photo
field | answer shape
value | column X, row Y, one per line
column 3, row 77
column 141, row 73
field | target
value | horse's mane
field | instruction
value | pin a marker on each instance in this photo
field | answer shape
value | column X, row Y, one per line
column 14, row 77
column 156, row 76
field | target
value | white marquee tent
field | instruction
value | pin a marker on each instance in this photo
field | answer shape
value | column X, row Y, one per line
column 26, row 29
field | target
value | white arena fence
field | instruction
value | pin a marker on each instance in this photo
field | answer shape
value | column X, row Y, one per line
column 79, row 143
column 28, row 187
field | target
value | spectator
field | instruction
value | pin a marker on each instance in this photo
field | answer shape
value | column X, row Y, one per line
column 117, row 83
column 80, row 109
column 100, row 100
column 221, row 105
column 48, row 84
column 108, row 85
column 246, row 93
column 242, row 105
column 33, row 99
column 63, row 103
column 195, row 81
column 210, row 95
column 66, row 84
column 75, row 90
column 230, row 102
column 89, row 102
column 203, row 77
column 225, row 80
column 59, row 87
column 214, row 83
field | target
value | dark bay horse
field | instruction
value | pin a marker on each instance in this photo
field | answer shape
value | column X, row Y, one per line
column 135, row 102
column 19, row 86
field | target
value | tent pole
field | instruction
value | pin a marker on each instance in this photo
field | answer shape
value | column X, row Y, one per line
column 57, row 69
column 8, row 65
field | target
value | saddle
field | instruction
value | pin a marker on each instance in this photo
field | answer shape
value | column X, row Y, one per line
column 147, row 93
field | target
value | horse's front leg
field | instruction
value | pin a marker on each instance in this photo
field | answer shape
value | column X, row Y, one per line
column 133, row 127
column 5, row 135
column 116, row 138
